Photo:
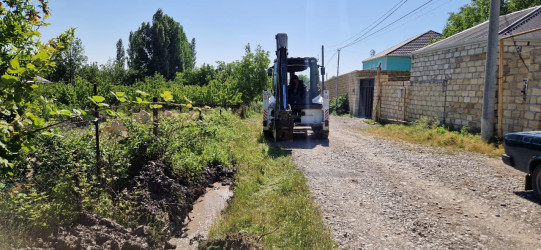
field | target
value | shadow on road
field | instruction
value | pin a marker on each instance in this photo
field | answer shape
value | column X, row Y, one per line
column 528, row 195
column 304, row 140
column 301, row 139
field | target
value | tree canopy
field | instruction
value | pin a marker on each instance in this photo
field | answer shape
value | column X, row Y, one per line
column 161, row 47
column 68, row 62
column 477, row 11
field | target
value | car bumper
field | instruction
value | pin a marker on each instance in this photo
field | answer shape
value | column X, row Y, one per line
column 508, row 160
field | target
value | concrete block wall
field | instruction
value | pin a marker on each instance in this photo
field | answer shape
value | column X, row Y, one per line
column 455, row 77
column 521, row 111
column 393, row 100
column 393, row 95
column 350, row 83
column 448, row 84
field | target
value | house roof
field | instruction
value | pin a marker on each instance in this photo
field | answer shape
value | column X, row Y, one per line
column 406, row 48
column 512, row 23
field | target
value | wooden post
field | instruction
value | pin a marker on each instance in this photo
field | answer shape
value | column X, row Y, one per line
column 97, row 129
column 378, row 96
column 155, row 116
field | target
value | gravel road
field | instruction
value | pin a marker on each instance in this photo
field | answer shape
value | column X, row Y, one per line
column 377, row 194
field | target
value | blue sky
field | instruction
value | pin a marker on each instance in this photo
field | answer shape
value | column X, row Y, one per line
column 222, row 28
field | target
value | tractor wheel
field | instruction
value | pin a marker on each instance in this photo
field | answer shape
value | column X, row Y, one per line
column 323, row 135
column 267, row 134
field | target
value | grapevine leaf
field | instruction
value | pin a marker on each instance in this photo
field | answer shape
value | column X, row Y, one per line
column 98, row 98
column 141, row 93
column 110, row 112
column 167, row 96
column 65, row 112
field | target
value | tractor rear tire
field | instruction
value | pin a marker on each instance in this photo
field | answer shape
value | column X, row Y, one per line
column 323, row 135
column 267, row 134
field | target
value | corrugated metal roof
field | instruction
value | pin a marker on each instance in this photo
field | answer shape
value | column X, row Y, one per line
column 406, row 48
column 512, row 23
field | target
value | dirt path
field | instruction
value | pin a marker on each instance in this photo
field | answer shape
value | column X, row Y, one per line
column 380, row 194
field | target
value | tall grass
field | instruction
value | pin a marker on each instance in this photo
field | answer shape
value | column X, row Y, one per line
column 272, row 201
column 428, row 131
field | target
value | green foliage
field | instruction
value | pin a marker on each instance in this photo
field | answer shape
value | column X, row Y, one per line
column 61, row 177
column 22, row 57
column 120, row 60
column 251, row 74
column 161, row 47
column 68, row 62
column 340, row 106
column 477, row 11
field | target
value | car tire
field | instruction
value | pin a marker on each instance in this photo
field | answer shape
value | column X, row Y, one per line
column 536, row 182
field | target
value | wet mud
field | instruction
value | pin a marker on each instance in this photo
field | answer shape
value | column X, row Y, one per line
column 162, row 202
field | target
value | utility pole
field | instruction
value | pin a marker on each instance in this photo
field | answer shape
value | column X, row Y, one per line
column 322, row 69
column 487, row 119
column 337, row 71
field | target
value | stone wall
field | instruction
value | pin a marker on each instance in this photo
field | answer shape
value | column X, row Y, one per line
column 453, row 78
column 350, row 83
column 521, row 110
column 448, row 84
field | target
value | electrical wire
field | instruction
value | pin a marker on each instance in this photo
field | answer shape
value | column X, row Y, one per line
column 421, row 15
column 395, row 21
column 372, row 26
column 330, row 59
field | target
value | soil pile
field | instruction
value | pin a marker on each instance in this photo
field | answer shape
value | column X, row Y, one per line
column 161, row 202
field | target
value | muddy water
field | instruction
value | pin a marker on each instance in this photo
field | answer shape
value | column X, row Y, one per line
column 206, row 211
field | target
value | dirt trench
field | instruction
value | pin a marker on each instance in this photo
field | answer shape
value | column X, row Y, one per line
column 161, row 201
column 376, row 193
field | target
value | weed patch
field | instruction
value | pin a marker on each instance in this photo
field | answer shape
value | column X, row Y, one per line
column 428, row 131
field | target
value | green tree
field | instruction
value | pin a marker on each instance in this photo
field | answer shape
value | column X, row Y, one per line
column 69, row 61
column 22, row 57
column 161, row 47
column 120, row 54
column 516, row 5
column 194, row 53
column 477, row 11
column 251, row 73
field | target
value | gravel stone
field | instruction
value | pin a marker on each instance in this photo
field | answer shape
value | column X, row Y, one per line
column 381, row 194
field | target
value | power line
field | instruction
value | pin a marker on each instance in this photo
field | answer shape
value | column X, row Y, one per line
column 421, row 15
column 375, row 32
column 330, row 59
column 384, row 16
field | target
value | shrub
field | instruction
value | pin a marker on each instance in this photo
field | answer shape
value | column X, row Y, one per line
column 339, row 106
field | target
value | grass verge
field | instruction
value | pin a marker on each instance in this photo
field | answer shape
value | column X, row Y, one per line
column 272, row 201
column 427, row 131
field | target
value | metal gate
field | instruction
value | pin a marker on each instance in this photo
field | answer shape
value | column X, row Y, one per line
column 366, row 98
